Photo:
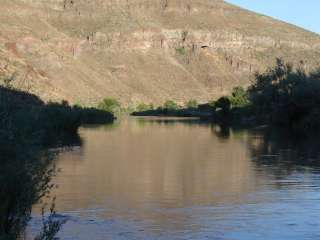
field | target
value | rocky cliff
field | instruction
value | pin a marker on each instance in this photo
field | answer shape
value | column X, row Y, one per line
column 141, row 50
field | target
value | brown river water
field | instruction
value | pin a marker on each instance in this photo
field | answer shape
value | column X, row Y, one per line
column 151, row 178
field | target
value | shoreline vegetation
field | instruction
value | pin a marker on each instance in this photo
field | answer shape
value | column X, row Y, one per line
column 28, row 127
column 284, row 96
column 44, row 124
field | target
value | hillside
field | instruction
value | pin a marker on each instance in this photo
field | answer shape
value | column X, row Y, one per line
column 141, row 50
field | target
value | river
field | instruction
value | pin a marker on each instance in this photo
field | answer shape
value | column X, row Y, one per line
column 151, row 178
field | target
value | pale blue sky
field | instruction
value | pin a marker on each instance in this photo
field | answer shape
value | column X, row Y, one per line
column 304, row 13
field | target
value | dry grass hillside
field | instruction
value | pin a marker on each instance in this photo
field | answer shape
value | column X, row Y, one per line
column 141, row 50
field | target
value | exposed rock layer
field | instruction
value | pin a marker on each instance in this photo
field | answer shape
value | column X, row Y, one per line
column 141, row 50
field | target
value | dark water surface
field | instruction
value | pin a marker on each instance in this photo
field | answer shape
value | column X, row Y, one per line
column 182, row 179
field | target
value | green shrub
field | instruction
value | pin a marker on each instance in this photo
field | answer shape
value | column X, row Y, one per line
column 239, row 97
column 170, row 105
column 192, row 104
column 212, row 104
column 110, row 105
column 180, row 50
column 144, row 107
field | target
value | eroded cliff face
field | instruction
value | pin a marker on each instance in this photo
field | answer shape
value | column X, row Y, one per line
column 141, row 50
column 179, row 5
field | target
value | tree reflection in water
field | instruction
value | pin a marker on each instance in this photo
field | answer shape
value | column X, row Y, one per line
column 276, row 151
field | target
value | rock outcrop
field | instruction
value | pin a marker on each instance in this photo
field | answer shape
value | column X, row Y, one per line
column 142, row 50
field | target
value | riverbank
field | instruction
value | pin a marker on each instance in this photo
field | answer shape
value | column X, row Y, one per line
column 25, row 114
column 174, row 113
column 284, row 96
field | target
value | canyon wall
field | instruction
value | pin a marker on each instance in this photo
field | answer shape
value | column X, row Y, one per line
column 142, row 50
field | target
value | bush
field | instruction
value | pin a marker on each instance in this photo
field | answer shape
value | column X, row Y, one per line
column 181, row 51
column 239, row 97
column 110, row 105
column 51, row 225
column 223, row 104
column 170, row 105
column 144, row 107
column 192, row 104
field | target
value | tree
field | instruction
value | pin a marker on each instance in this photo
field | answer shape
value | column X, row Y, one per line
column 287, row 97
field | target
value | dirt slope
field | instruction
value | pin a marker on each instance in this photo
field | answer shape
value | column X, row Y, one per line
column 141, row 50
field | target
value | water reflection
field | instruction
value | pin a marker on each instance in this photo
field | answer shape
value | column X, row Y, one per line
column 280, row 148
column 185, row 179
column 25, row 178
column 23, row 181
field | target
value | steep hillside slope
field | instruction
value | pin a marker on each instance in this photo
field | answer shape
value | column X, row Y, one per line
column 141, row 50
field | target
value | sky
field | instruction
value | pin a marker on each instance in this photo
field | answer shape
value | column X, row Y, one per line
column 303, row 13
